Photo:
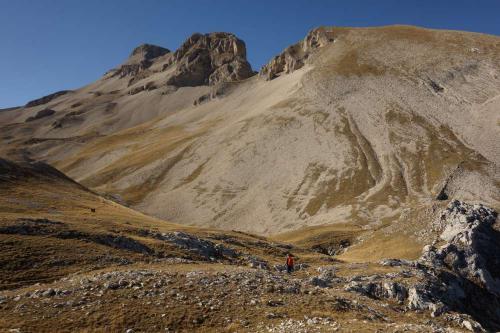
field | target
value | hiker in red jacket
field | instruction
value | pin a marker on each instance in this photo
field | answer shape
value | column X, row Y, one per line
column 289, row 263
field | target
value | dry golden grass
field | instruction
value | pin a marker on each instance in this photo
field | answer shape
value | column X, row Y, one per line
column 45, row 258
column 118, row 310
column 192, row 177
column 73, row 238
column 351, row 64
column 438, row 150
column 65, row 245
column 321, row 237
column 382, row 247
column 409, row 33
column 340, row 188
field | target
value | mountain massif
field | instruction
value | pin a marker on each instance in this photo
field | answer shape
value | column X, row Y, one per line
column 356, row 143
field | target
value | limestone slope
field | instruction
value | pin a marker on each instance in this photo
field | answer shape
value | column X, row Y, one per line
column 367, row 126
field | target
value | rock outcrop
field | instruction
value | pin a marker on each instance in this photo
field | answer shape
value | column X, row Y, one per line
column 203, row 59
column 464, row 268
column 294, row 57
column 202, row 247
column 379, row 289
column 210, row 59
column 140, row 59
column 472, row 246
column 145, row 87
column 41, row 114
column 46, row 99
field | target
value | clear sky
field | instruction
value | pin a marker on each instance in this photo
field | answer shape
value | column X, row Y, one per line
column 50, row 45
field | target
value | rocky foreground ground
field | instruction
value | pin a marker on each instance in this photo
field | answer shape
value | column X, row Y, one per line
column 453, row 287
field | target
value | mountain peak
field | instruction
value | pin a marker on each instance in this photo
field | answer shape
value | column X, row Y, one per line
column 149, row 51
column 209, row 59
column 219, row 42
column 139, row 60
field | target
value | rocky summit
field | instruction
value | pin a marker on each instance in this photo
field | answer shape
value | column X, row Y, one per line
column 210, row 59
column 166, row 195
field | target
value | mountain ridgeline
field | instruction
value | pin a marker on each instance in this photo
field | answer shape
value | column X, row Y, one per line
column 355, row 125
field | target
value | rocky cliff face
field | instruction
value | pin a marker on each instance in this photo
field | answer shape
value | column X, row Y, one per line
column 445, row 279
column 471, row 246
column 295, row 56
column 210, row 59
column 203, row 59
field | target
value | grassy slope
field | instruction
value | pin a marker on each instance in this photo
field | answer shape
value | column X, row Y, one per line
column 47, row 231
column 41, row 257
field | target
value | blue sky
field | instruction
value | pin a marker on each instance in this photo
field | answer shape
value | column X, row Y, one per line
column 50, row 45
